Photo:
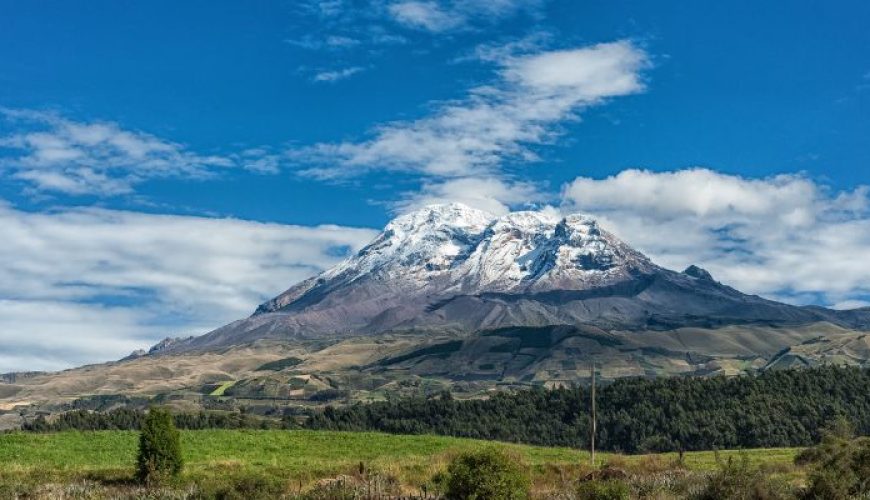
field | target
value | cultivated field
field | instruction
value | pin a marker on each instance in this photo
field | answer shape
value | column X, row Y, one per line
column 252, row 463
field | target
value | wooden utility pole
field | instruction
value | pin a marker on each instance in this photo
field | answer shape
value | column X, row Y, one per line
column 592, row 436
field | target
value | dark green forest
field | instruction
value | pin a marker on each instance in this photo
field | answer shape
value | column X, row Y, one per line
column 772, row 409
column 132, row 419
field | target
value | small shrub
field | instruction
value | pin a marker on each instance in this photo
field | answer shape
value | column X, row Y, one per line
column 608, row 489
column 488, row 474
column 829, row 484
column 251, row 487
column 436, row 485
column 839, row 465
column 159, row 455
column 737, row 480
column 842, row 469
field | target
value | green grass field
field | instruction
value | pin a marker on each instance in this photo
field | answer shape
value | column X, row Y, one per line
column 293, row 457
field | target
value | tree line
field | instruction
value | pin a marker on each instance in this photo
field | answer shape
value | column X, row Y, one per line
column 771, row 409
column 133, row 419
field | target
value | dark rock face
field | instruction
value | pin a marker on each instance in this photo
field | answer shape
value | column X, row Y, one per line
column 697, row 272
column 138, row 353
column 167, row 344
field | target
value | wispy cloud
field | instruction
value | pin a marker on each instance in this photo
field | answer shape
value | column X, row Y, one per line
column 341, row 41
column 784, row 237
column 366, row 24
column 491, row 194
column 86, row 285
column 497, row 52
column 494, row 123
column 51, row 153
column 336, row 42
column 426, row 15
column 336, row 75
column 439, row 16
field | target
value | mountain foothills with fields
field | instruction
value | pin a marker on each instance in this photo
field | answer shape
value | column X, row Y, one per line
column 453, row 298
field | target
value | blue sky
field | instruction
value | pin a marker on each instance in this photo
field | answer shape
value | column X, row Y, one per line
column 269, row 120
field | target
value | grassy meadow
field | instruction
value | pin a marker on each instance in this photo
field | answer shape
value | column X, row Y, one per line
column 275, row 462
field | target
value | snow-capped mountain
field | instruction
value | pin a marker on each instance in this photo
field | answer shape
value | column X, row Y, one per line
column 453, row 249
column 454, row 268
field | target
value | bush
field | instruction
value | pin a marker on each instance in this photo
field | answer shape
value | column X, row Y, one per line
column 488, row 474
column 829, row 484
column 609, row 489
column 250, row 487
column 840, row 467
column 737, row 480
column 159, row 455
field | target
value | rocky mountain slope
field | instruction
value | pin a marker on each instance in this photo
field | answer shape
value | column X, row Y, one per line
column 451, row 268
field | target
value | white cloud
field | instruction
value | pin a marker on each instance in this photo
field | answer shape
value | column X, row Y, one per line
column 335, row 75
column 426, row 15
column 851, row 304
column 341, row 41
column 53, row 335
column 785, row 237
column 75, row 181
column 473, row 136
column 700, row 192
column 498, row 52
column 84, row 285
column 439, row 16
column 491, row 194
column 435, row 16
column 328, row 42
column 260, row 160
column 51, row 153
column 581, row 75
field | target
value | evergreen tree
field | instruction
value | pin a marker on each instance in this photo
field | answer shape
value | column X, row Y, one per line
column 159, row 448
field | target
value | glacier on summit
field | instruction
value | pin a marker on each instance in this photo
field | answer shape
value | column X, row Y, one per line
column 449, row 249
